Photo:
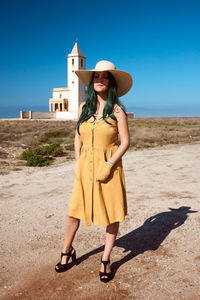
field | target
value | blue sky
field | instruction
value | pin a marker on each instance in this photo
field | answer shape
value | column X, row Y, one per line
column 158, row 42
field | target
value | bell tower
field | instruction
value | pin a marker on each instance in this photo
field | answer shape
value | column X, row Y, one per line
column 75, row 61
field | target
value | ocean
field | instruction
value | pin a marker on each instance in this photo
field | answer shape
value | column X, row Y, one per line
column 7, row 112
column 162, row 112
column 139, row 112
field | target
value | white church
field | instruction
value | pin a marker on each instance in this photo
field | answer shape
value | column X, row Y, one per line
column 65, row 101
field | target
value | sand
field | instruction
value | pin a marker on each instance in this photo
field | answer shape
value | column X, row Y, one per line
column 157, row 252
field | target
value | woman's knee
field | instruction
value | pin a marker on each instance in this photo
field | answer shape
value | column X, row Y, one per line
column 72, row 219
column 113, row 228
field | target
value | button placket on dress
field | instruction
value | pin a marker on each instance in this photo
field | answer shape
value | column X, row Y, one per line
column 92, row 179
column 92, row 154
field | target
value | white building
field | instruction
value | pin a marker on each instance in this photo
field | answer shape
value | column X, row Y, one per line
column 65, row 101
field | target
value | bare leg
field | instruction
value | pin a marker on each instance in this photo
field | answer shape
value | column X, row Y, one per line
column 72, row 225
column 111, row 234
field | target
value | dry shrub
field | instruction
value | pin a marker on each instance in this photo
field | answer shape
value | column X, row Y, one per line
column 150, row 132
column 3, row 154
column 144, row 133
column 41, row 156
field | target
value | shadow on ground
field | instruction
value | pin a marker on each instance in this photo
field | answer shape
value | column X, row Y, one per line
column 149, row 236
column 51, row 285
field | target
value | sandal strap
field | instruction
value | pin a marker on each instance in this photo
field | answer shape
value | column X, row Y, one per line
column 69, row 253
column 105, row 262
column 104, row 274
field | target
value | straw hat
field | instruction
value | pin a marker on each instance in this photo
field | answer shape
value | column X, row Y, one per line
column 123, row 79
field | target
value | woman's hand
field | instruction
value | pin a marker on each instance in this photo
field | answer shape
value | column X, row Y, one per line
column 103, row 171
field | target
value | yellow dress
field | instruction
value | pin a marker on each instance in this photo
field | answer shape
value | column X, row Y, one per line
column 100, row 202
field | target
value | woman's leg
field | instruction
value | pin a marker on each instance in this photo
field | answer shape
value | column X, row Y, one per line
column 111, row 234
column 72, row 225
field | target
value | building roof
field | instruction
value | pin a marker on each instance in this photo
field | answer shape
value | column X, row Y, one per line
column 76, row 51
column 60, row 89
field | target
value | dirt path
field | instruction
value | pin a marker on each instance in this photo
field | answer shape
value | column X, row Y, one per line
column 157, row 253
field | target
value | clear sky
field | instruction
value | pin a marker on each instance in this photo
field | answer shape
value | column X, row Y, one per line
column 158, row 42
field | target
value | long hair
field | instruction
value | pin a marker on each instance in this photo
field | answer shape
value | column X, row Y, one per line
column 90, row 106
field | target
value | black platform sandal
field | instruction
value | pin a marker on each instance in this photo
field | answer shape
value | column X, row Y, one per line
column 64, row 267
column 102, row 274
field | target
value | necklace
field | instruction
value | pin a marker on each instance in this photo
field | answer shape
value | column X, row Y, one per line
column 97, row 115
column 97, row 118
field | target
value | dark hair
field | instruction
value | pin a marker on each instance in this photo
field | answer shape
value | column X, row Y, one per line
column 89, row 108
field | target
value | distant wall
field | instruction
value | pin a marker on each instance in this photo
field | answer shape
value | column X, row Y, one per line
column 37, row 115
column 24, row 114
column 48, row 115
column 130, row 115
column 43, row 115
column 54, row 115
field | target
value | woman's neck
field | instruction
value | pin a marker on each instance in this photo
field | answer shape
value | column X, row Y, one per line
column 101, row 100
column 102, row 96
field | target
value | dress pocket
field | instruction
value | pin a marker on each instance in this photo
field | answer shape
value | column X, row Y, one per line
column 103, row 172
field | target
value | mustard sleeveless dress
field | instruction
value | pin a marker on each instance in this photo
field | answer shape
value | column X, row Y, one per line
column 100, row 202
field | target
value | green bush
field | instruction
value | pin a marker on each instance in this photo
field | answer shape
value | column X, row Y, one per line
column 41, row 156
column 57, row 152
column 52, row 150
column 49, row 150
column 26, row 154
column 38, row 161
column 56, row 135
column 43, row 139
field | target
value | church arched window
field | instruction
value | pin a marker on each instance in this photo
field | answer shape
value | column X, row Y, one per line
column 72, row 61
column 81, row 63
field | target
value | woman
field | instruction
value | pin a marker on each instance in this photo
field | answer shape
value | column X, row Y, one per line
column 99, row 193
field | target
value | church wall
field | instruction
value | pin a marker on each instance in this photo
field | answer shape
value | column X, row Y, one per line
column 67, row 115
column 59, row 95
column 82, row 93
column 73, row 81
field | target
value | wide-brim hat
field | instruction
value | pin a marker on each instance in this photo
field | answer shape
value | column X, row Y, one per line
column 123, row 79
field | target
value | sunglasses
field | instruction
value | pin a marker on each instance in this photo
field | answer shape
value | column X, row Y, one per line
column 105, row 76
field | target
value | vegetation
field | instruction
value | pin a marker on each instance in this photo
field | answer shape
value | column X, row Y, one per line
column 41, row 136
column 41, row 156
column 59, row 136
column 152, row 132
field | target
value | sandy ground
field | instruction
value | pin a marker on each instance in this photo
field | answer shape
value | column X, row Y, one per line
column 157, row 252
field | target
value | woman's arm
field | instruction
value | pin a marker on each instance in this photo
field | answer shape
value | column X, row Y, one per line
column 77, row 139
column 123, row 134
